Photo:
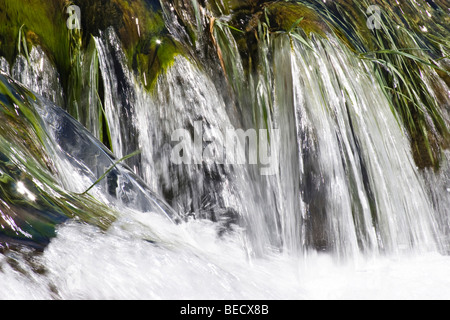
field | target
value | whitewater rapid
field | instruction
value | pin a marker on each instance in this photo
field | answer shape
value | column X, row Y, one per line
column 343, row 156
column 189, row 262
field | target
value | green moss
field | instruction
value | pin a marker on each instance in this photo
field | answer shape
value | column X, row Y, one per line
column 406, row 51
column 165, row 53
column 284, row 15
column 140, row 26
column 44, row 24
column 155, row 59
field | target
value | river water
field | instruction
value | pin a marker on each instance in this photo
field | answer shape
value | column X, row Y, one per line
column 345, row 215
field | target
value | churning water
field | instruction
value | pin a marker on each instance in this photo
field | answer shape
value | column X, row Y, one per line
column 346, row 216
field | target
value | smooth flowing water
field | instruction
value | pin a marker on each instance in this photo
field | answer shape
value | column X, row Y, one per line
column 345, row 214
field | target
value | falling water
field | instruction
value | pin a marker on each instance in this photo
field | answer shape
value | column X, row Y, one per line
column 332, row 190
column 346, row 188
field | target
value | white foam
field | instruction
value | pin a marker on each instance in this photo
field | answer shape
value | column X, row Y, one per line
column 190, row 262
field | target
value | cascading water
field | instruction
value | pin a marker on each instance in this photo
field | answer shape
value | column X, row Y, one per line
column 355, row 140
column 344, row 187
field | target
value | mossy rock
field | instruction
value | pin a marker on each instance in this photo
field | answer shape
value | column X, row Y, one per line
column 278, row 16
column 406, row 24
column 141, row 28
column 150, row 49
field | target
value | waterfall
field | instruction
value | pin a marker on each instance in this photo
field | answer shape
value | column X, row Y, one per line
column 346, row 181
column 328, row 175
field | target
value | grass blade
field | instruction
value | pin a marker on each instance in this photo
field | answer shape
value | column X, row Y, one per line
column 109, row 170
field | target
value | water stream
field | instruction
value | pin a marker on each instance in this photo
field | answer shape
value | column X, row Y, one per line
column 345, row 214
